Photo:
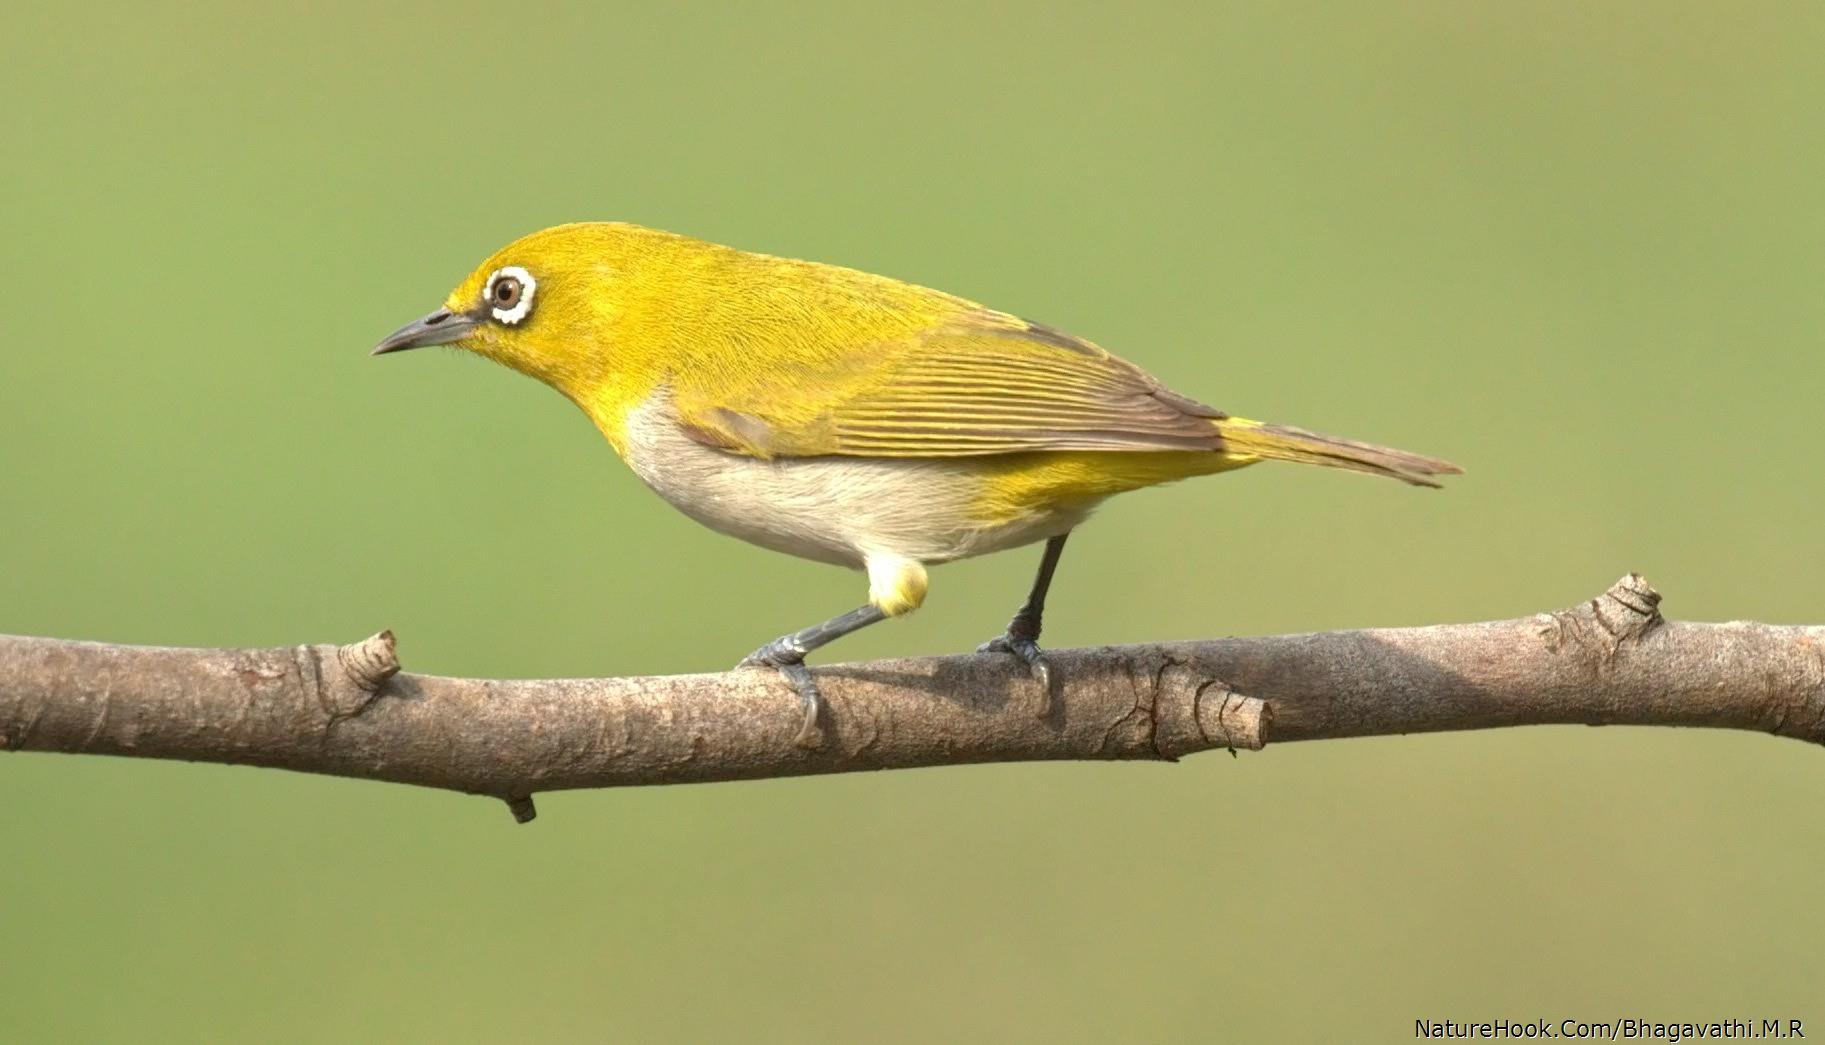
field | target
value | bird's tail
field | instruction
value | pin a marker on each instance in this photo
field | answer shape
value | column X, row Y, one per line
column 1286, row 443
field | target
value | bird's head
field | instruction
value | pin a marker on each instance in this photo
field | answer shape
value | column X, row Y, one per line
column 546, row 305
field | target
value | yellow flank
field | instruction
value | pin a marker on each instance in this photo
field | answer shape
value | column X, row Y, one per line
column 1019, row 485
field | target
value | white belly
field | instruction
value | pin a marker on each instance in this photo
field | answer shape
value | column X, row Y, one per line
column 840, row 510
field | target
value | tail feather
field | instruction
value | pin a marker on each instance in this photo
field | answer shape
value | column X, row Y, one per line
column 1286, row 443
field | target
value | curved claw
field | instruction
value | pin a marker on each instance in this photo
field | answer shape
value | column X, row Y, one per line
column 790, row 663
column 1031, row 655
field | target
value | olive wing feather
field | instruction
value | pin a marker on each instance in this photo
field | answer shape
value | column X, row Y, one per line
column 986, row 383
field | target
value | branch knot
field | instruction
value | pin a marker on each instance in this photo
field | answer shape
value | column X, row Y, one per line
column 1627, row 611
column 1191, row 711
column 370, row 662
column 365, row 668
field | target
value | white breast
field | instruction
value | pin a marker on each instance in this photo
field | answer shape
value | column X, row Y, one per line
column 839, row 510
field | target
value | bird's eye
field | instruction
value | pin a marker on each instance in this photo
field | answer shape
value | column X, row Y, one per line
column 508, row 294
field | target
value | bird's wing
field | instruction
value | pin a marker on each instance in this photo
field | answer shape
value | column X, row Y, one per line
column 981, row 383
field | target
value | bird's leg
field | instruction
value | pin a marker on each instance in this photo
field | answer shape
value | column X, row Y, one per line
column 1022, row 636
column 786, row 655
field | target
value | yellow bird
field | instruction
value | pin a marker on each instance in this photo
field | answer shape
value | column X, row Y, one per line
column 845, row 417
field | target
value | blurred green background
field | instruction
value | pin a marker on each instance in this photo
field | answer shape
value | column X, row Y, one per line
column 1576, row 247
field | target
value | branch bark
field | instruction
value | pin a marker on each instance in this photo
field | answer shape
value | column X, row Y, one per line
column 349, row 711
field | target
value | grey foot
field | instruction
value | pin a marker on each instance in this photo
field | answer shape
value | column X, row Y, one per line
column 789, row 661
column 1032, row 656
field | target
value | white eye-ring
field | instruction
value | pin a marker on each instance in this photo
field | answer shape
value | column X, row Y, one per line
column 508, row 293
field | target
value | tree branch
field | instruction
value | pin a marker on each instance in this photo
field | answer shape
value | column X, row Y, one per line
column 349, row 711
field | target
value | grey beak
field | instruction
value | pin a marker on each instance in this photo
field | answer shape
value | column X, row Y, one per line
column 438, row 328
